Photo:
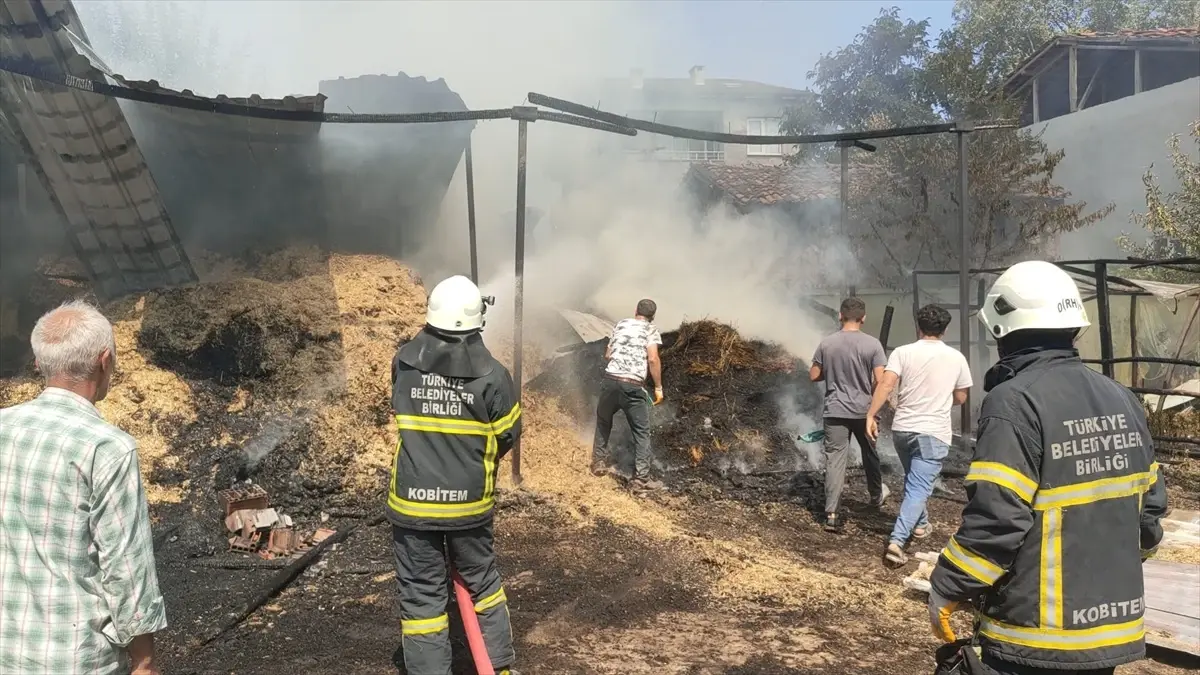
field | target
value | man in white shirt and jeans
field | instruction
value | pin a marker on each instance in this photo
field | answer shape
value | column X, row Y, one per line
column 632, row 354
column 933, row 378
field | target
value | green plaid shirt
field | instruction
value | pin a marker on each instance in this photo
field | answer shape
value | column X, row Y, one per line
column 77, row 577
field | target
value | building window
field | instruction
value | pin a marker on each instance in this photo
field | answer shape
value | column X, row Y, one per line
column 763, row 126
column 669, row 148
column 688, row 150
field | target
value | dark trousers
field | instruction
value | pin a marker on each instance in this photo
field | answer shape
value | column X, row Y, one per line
column 838, row 432
column 998, row 667
column 423, row 580
column 634, row 401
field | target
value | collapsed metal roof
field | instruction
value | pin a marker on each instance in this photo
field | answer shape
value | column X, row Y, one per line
column 85, row 156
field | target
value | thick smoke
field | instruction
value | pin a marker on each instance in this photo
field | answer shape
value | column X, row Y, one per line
column 615, row 229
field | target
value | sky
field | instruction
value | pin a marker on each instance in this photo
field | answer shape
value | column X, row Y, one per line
column 788, row 36
column 490, row 51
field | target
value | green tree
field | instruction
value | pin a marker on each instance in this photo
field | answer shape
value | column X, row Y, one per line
column 903, row 205
column 1172, row 219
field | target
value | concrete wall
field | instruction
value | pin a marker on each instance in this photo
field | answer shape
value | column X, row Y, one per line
column 1109, row 148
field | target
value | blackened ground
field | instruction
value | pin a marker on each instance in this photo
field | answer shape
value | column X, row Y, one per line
column 587, row 596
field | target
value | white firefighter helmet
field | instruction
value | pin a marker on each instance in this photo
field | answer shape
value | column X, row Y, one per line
column 1033, row 295
column 455, row 305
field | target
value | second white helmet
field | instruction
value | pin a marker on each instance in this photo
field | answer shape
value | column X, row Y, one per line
column 1033, row 295
column 455, row 305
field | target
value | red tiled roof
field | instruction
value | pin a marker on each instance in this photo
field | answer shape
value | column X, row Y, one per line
column 765, row 185
column 1167, row 33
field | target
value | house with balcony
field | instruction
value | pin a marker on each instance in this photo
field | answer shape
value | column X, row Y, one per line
column 704, row 103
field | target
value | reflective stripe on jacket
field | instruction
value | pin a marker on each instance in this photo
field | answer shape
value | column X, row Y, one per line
column 1064, row 500
column 452, row 434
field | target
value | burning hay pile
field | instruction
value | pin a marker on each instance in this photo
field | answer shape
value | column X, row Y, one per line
column 728, row 399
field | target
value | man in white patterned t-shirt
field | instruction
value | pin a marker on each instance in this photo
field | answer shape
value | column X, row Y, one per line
column 632, row 354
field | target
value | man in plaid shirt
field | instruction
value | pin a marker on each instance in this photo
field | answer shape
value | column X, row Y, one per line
column 78, row 589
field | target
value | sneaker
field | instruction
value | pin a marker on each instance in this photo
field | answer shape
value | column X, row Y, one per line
column 599, row 468
column 507, row 671
column 833, row 522
column 884, row 493
column 645, row 484
column 922, row 532
column 895, row 555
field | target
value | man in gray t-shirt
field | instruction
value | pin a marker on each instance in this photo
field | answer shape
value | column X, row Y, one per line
column 850, row 363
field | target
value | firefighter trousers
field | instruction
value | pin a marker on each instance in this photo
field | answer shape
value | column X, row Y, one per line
column 424, row 586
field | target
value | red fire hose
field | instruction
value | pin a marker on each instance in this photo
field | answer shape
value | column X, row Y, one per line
column 466, row 608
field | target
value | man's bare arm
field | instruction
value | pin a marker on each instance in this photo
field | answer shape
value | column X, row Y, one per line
column 815, row 373
column 877, row 375
column 887, row 383
column 655, row 365
column 960, row 396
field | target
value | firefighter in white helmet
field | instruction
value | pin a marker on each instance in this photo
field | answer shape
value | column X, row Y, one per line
column 1064, row 499
column 457, row 415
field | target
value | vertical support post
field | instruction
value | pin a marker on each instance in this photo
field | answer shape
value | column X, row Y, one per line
column 844, row 198
column 885, row 328
column 1135, row 378
column 1137, row 71
column 916, row 297
column 472, row 242
column 964, row 273
column 519, row 253
column 22, row 204
column 980, row 297
column 1037, row 106
column 1073, row 77
column 1103, row 309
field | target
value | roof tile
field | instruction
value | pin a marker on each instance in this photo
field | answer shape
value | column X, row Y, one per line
column 1188, row 32
column 766, row 185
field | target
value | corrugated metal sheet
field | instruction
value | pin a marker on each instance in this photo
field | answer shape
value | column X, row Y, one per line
column 86, row 157
column 385, row 182
column 234, row 183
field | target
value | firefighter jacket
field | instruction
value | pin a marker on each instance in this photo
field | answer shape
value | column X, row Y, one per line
column 1064, row 503
column 454, row 427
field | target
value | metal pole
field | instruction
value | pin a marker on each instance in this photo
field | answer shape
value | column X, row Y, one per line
column 21, row 180
column 1102, row 308
column 471, row 216
column 1135, row 378
column 844, row 196
column 916, row 297
column 964, row 274
column 518, row 318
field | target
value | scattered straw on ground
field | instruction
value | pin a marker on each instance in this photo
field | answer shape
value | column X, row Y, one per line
column 554, row 457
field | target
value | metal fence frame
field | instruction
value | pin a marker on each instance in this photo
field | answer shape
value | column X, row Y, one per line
column 1103, row 281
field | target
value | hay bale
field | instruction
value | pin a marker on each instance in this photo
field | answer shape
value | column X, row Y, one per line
column 247, row 328
column 711, row 373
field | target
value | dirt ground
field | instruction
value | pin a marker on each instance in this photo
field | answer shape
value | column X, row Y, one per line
column 723, row 573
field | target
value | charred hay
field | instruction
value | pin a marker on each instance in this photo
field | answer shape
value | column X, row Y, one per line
column 723, row 394
column 276, row 371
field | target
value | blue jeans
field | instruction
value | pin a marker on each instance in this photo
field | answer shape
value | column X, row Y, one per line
column 921, row 455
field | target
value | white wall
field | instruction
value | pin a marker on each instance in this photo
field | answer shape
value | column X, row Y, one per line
column 1109, row 148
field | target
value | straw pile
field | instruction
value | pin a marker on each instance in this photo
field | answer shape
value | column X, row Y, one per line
column 286, row 354
column 722, row 393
